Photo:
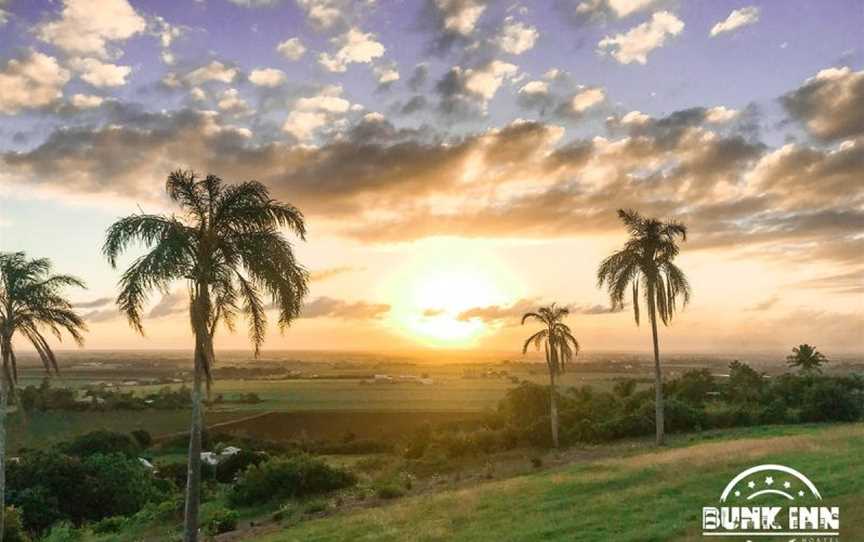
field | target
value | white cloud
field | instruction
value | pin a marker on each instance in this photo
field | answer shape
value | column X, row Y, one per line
column 322, row 13
column 232, row 101
column 720, row 114
column 618, row 8
column 87, row 27
column 460, row 16
column 737, row 19
column 100, row 74
column 516, row 37
column 586, row 99
column 635, row 45
column 215, row 71
column 386, row 74
column 267, row 77
column 485, row 82
column 635, row 117
column 33, row 81
column 535, row 87
column 86, row 101
column 198, row 94
column 310, row 114
column 354, row 46
column 292, row 49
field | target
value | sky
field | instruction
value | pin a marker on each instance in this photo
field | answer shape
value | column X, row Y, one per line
column 458, row 162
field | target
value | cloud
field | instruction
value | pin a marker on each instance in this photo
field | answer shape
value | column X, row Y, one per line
column 89, row 27
column 516, row 37
column 95, row 303
column 256, row 3
column 330, row 272
column 431, row 313
column 267, row 77
column 86, row 101
column 387, row 74
column 354, row 46
column 214, row 71
column 738, row 18
column 511, row 315
column 231, row 101
column 720, row 114
column 311, row 113
column 328, row 307
column 33, row 81
column 851, row 282
column 102, row 315
column 418, row 77
column 600, row 10
column 170, row 303
column 469, row 90
column 100, row 74
column 332, row 14
column 764, row 305
column 830, row 104
column 292, row 48
column 452, row 21
column 635, row 44
column 586, row 99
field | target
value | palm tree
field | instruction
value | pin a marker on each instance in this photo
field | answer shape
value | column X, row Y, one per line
column 560, row 347
column 227, row 245
column 807, row 359
column 646, row 261
column 31, row 304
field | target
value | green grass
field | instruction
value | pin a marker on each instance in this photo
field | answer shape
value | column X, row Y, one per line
column 649, row 496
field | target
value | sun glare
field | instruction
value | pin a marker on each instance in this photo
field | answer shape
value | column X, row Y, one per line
column 441, row 281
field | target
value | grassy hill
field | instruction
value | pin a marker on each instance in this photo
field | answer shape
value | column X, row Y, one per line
column 642, row 496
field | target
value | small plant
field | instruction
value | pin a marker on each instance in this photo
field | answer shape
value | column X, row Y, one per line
column 221, row 520
column 388, row 489
column 63, row 532
column 13, row 530
column 298, row 476
column 110, row 525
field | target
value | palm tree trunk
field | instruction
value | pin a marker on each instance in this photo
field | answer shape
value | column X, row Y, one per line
column 193, row 474
column 3, row 402
column 658, row 375
column 553, row 410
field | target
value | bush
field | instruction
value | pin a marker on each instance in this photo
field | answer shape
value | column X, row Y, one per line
column 63, row 532
column 388, row 489
column 228, row 469
column 142, row 438
column 221, row 521
column 100, row 442
column 14, row 531
column 177, row 473
column 110, row 525
column 829, row 399
column 298, row 476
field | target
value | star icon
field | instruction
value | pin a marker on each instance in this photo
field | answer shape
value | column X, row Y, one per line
column 751, row 485
column 737, row 493
column 787, row 485
column 800, row 493
column 769, row 481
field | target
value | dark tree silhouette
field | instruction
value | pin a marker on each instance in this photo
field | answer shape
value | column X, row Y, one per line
column 31, row 304
column 806, row 359
column 560, row 347
column 227, row 246
column 646, row 262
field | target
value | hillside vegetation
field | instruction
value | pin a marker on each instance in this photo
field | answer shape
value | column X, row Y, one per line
column 649, row 496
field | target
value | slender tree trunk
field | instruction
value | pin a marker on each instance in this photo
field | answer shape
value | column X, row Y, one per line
column 658, row 374
column 3, row 402
column 193, row 474
column 553, row 409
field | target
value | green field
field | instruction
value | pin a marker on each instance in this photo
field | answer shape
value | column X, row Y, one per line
column 649, row 496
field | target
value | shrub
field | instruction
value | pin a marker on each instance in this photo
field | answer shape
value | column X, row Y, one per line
column 63, row 532
column 228, row 469
column 221, row 520
column 114, row 524
column 177, row 472
column 14, row 531
column 388, row 489
column 298, row 476
column 117, row 486
column 142, row 438
column 100, row 442
column 828, row 399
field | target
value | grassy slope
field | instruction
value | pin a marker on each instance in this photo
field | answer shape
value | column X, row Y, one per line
column 654, row 496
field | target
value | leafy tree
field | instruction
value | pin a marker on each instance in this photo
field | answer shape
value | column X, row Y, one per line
column 31, row 304
column 745, row 384
column 806, row 359
column 560, row 347
column 646, row 262
column 693, row 386
column 228, row 246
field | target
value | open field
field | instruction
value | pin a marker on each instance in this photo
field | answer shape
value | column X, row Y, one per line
column 649, row 496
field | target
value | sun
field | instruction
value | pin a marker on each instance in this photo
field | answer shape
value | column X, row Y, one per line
column 430, row 292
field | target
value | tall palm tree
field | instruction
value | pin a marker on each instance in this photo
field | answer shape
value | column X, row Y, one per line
column 807, row 359
column 560, row 347
column 227, row 245
column 646, row 262
column 31, row 304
